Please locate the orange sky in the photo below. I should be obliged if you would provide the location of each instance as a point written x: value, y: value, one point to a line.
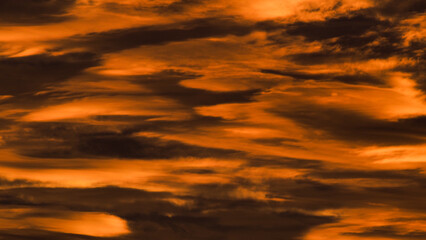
x: 194, y: 119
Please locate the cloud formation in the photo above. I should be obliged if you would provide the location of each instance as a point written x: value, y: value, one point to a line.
x: 192, y: 119
x: 33, y: 12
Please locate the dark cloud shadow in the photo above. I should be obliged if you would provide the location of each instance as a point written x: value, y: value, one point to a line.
x: 356, y: 127
x: 391, y: 232
x: 121, y: 39
x: 34, y: 12
x: 335, y: 27
x: 150, y: 216
x: 31, y: 74
x: 167, y: 84
x: 68, y: 140
x: 400, y: 9
x: 354, y: 78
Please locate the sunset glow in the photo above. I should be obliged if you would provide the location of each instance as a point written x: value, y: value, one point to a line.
x: 210, y: 120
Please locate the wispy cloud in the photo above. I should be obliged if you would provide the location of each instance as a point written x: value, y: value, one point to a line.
x: 193, y: 119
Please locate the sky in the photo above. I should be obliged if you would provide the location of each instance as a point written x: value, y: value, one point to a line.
x: 218, y: 119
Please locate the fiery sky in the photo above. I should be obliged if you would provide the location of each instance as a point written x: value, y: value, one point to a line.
x: 212, y: 119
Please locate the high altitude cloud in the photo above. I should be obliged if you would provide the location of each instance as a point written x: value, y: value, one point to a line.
x: 194, y: 119
x: 356, y: 127
x: 237, y: 219
x: 29, y: 12
x: 389, y: 232
x: 167, y: 84
x: 61, y: 140
x: 357, y: 78
x: 335, y: 27
x: 31, y: 74
x: 116, y: 40
x: 398, y: 8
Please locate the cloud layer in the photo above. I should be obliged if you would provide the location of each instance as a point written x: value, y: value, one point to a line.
x: 192, y: 119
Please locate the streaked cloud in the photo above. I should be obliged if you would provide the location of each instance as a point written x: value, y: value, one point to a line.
x: 193, y: 119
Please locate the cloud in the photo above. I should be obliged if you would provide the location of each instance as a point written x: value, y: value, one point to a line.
x: 32, y: 234
x: 5, y: 123
x: 357, y: 36
x: 391, y: 232
x: 121, y: 39
x: 306, y: 193
x: 67, y: 140
x: 205, y: 219
x: 284, y: 162
x: 335, y: 27
x: 143, y: 148
x: 33, y: 12
x: 414, y: 175
x: 356, y: 127
x: 8, y: 183
x: 167, y: 84
x: 322, y: 56
x: 212, y: 119
x: 180, y: 6
x: 31, y: 74
x: 399, y: 8
x: 356, y: 78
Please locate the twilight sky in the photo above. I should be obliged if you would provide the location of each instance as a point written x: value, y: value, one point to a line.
x: 212, y: 119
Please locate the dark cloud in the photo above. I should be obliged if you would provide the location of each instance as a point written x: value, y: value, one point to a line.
x: 334, y: 27
x: 179, y: 6
x: 40, y: 164
x: 310, y: 194
x: 208, y: 211
x: 215, y: 214
x: 296, y: 75
x: 175, y: 7
x: 354, y: 78
x: 387, y: 38
x: 77, y: 199
x: 68, y: 140
x: 5, y: 123
x: 358, y: 36
x: 117, y: 40
x: 362, y: 35
x: 359, y: 78
x: 323, y: 56
x: 392, y: 232
x: 400, y: 8
x: 414, y: 175
x: 417, y: 70
x: 407, y: 196
x: 283, y: 162
x: 122, y: 118
x: 4, y: 182
x: 32, y: 234
x: 356, y: 127
x: 150, y: 216
x: 166, y: 84
x: 380, y: 44
x: 336, y: 55
x: 228, y: 223
x: 31, y: 74
x: 111, y: 145
x: 195, y: 123
x: 277, y: 142
x: 314, y: 195
x: 128, y: 9
x: 33, y: 12
x: 201, y: 171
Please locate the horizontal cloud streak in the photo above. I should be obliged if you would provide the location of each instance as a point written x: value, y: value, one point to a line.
x: 191, y: 119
